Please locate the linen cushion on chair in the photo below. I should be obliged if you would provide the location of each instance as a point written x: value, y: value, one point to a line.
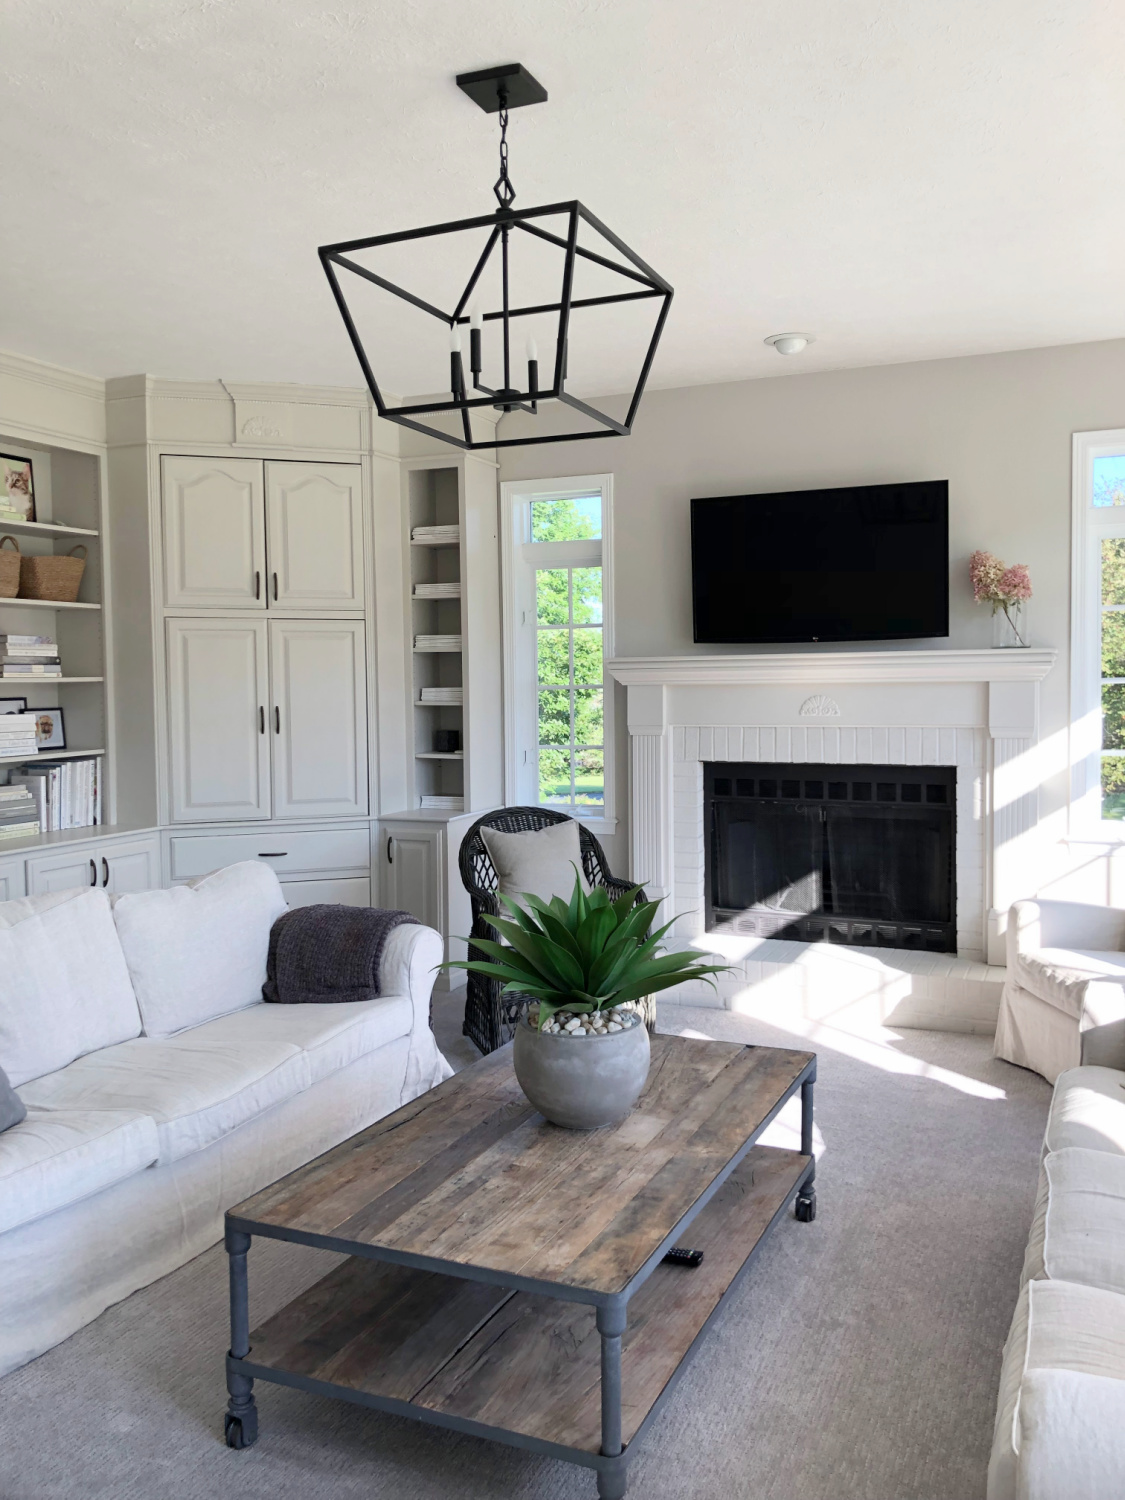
x: 541, y: 862
x: 1061, y: 976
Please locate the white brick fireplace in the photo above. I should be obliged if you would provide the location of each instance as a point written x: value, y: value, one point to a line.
x: 975, y: 710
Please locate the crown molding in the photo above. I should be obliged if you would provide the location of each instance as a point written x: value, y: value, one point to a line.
x: 1029, y: 664
x: 21, y: 367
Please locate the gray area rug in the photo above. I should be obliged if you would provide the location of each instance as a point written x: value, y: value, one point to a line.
x: 859, y: 1359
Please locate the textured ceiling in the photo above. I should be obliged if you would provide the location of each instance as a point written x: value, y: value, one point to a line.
x: 904, y: 178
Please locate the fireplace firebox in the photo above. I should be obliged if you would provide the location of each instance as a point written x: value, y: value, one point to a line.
x: 860, y: 855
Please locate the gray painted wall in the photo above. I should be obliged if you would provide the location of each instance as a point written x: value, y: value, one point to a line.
x: 998, y: 427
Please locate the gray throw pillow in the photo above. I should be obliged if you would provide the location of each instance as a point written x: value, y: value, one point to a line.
x: 541, y: 861
x: 12, y: 1107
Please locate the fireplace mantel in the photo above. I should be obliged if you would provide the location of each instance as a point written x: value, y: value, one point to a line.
x: 1019, y: 665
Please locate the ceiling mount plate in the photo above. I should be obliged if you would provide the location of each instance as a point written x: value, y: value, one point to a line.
x: 513, y: 79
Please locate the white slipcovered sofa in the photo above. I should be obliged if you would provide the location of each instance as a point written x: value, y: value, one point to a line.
x: 160, y: 1089
x: 1063, y: 1002
x: 1060, y: 1422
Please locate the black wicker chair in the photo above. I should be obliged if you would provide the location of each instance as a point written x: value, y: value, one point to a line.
x: 490, y: 1018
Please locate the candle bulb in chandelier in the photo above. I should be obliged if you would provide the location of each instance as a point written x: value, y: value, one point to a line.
x: 456, y: 368
x: 476, y: 324
x: 532, y: 368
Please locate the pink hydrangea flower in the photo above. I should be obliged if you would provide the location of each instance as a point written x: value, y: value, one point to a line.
x: 1015, y: 584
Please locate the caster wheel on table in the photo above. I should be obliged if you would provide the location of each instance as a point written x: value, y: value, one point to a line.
x: 805, y: 1209
x: 241, y: 1432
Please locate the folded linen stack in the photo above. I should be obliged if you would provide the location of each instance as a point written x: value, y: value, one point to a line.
x: 29, y: 656
x: 450, y: 697
x: 18, y: 817
x: 436, y: 534
x: 17, y: 736
x: 437, y: 590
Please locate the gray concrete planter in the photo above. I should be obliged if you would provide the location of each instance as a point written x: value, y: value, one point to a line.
x: 581, y: 1082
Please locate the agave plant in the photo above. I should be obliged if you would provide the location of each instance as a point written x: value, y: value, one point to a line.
x: 585, y: 954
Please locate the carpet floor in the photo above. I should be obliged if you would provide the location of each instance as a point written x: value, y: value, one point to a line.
x: 858, y: 1361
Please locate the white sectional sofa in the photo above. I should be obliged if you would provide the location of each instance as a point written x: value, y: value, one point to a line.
x: 1060, y: 1422
x: 160, y: 1089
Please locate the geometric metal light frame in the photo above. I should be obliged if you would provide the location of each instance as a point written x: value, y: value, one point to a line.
x: 506, y: 224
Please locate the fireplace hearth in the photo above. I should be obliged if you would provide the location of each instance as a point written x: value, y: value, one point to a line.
x: 851, y: 854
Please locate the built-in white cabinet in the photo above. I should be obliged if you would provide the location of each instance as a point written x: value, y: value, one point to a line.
x: 12, y: 884
x: 214, y: 523
x: 314, y: 523
x: 218, y: 695
x: 240, y: 533
x: 412, y: 857
x: 267, y: 719
x: 350, y: 892
x: 318, y: 676
x: 116, y: 866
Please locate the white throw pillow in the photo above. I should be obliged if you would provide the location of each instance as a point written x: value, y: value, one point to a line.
x: 198, y: 951
x: 541, y: 861
x: 64, y: 985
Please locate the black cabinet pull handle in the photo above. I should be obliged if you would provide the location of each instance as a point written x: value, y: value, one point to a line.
x: 105, y: 871
x: 276, y: 719
x: 93, y: 873
x: 261, y: 719
x: 273, y: 854
x: 390, y: 850
x: 275, y: 587
x: 257, y: 584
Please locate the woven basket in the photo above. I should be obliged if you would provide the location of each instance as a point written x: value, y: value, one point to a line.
x: 52, y: 577
x: 9, y: 568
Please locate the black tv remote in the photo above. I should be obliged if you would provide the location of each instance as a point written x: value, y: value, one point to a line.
x: 692, y: 1259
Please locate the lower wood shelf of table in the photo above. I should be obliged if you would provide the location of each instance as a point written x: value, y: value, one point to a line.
x: 477, y: 1356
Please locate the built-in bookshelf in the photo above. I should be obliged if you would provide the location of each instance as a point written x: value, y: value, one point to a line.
x: 436, y: 631
x: 68, y: 486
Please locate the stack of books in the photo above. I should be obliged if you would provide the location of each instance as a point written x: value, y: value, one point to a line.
x: 437, y: 591
x: 437, y: 643
x: 18, y: 817
x: 444, y: 804
x: 450, y: 697
x: 29, y: 656
x: 67, y: 793
x: 435, y: 534
x: 17, y: 736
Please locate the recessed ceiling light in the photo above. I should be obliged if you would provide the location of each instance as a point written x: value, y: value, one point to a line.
x: 790, y: 343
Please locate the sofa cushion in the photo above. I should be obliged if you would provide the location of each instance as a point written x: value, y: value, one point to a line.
x: 541, y: 861
x: 1057, y: 1326
x: 1060, y: 975
x: 12, y: 1107
x: 64, y: 985
x: 198, y: 951
x: 1088, y: 1110
x: 57, y: 1157
x: 201, y: 1084
x: 1072, y: 1436
x: 1078, y: 1232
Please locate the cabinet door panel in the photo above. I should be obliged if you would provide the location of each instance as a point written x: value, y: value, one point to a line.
x: 315, y: 535
x: 218, y: 692
x: 411, y: 871
x: 355, y: 892
x: 134, y: 866
x: 214, y: 533
x: 47, y: 873
x: 12, y: 882
x: 318, y: 674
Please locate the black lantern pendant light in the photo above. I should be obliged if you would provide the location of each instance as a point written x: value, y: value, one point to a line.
x: 508, y: 232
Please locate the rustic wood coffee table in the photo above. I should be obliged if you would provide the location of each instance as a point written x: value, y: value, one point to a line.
x: 506, y: 1276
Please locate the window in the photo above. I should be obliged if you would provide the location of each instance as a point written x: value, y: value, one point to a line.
x: 557, y: 628
x: 1098, y: 635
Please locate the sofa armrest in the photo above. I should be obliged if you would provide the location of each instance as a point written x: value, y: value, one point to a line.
x: 1063, y: 924
x: 1072, y: 1436
x: 410, y: 959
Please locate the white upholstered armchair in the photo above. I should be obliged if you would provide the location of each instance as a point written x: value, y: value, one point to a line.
x: 1064, y: 997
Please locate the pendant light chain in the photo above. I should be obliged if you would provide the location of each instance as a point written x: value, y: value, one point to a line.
x: 505, y: 192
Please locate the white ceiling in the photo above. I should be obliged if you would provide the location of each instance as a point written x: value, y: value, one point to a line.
x: 904, y: 178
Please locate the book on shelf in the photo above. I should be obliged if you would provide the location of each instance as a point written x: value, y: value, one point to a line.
x: 68, y: 793
x: 437, y: 591
x: 443, y: 804
x: 437, y: 643
x: 20, y: 831
x: 436, y: 533
x: 25, y: 669
x: 449, y: 697
x: 17, y: 736
x: 25, y: 642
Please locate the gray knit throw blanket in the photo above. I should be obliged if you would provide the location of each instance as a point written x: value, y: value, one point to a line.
x: 326, y: 954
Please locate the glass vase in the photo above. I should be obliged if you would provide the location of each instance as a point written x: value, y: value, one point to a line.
x: 1009, y: 624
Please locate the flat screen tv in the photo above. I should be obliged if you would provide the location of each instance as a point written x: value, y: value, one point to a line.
x: 868, y: 563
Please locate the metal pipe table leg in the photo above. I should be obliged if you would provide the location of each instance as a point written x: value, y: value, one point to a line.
x: 611, y: 1325
x: 241, y: 1424
x: 805, y: 1206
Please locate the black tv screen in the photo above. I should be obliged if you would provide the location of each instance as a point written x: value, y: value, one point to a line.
x: 869, y: 563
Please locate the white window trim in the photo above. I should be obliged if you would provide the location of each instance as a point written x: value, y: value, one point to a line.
x: 1090, y: 525
x: 521, y: 779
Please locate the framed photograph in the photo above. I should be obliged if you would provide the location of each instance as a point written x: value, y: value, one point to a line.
x: 17, y: 488
x: 50, y: 730
x: 13, y: 705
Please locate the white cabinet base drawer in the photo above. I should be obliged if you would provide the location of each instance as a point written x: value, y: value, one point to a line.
x: 329, y: 892
x: 284, y: 850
